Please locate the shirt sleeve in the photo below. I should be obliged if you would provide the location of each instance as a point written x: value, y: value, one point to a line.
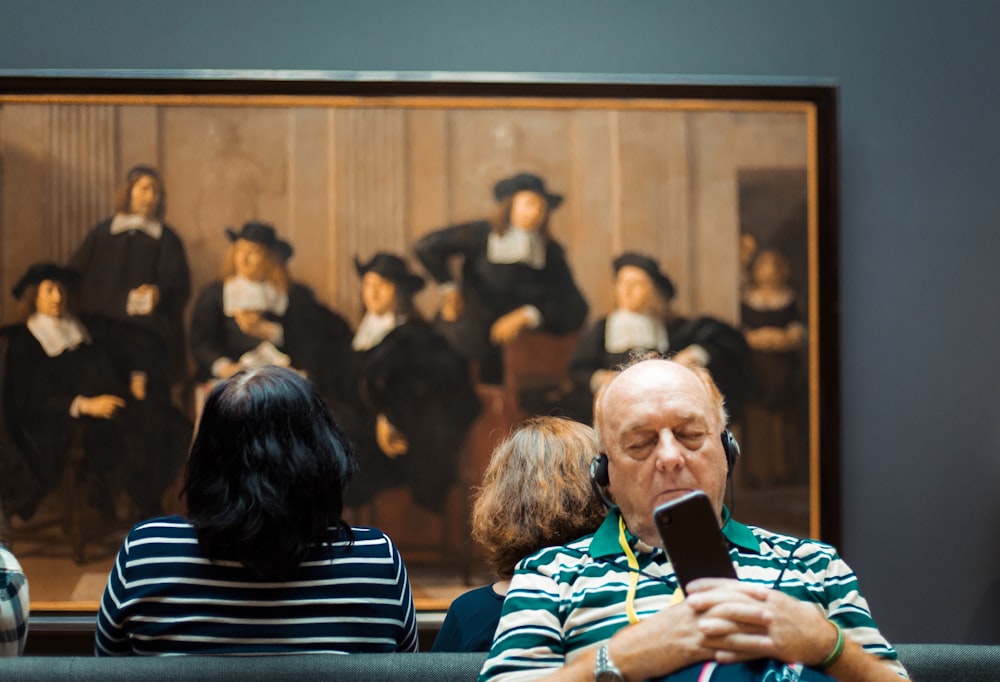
x: 110, y: 638
x: 408, y: 640
x: 847, y: 607
x: 529, y: 640
x: 14, y: 606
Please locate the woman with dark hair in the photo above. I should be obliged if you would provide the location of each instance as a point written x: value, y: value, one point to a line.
x: 264, y: 562
x: 415, y: 399
x: 515, y: 276
x: 134, y: 268
x: 536, y: 492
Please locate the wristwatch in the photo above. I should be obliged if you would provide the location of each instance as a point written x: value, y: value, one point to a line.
x: 604, y: 669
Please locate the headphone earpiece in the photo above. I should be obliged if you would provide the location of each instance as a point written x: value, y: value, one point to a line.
x: 599, y: 478
x: 732, y: 449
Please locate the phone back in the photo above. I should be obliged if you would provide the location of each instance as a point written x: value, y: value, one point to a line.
x: 693, y: 540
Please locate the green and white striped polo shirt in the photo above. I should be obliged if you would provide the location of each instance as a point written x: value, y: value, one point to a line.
x: 565, y: 599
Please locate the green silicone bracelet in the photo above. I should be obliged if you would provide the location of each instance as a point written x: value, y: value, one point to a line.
x: 838, y: 649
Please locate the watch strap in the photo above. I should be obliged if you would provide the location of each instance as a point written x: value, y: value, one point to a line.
x: 604, y: 668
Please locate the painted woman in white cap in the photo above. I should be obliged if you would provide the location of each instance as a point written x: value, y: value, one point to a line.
x: 514, y: 274
x: 257, y: 315
x: 134, y: 268
x: 415, y: 396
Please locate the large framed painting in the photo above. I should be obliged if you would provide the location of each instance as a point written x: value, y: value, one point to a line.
x: 728, y: 187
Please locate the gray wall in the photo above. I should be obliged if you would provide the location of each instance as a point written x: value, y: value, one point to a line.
x: 920, y: 91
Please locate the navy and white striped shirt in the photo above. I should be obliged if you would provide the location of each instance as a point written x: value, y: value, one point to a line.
x: 165, y: 597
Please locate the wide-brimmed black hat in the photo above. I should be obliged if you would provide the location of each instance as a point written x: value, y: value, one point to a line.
x: 651, y: 268
x: 262, y: 233
x: 393, y: 268
x: 39, y: 272
x: 525, y: 182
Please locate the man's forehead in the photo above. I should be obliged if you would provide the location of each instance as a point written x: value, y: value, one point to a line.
x: 666, y: 413
x: 660, y: 388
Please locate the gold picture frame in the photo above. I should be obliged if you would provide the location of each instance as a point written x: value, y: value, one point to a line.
x: 345, y: 164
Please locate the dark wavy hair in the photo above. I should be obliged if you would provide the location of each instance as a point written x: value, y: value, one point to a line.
x: 265, y: 479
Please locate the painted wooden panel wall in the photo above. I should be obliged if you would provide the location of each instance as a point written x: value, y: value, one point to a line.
x: 341, y: 178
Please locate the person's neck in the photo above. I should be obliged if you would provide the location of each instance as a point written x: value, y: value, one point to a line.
x: 501, y: 587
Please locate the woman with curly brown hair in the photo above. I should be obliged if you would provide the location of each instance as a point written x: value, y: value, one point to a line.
x: 536, y: 492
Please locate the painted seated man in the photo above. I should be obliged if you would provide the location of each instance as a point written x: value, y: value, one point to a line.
x: 257, y: 315
x: 643, y: 321
x: 86, y: 381
x: 415, y: 397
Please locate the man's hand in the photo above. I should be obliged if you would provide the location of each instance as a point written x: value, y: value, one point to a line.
x: 143, y: 299
x: 452, y: 306
x: 252, y: 323
x: 229, y: 370
x: 101, y: 406
x: 509, y: 326
x: 389, y: 439
x: 742, y: 621
x: 137, y: 385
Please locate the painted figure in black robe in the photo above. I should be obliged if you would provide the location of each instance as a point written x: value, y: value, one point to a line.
x: 772, y: 324
x: 135, y: 269
x: 514, y: 275
x: 257, y: 315
x: 415, y: 396
x: 642, y: 322
x: 86, y: 382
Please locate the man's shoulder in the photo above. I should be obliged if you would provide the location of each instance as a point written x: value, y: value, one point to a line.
x: 781, y: 549
x: 559, y: 557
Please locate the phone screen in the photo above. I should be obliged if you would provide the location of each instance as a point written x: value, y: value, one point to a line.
x: 692, y: 538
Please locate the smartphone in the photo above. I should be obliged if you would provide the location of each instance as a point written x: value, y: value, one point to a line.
x: 693, y: 540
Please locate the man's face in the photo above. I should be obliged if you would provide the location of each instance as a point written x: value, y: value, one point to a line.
x: 662, y: 436
x: 378, y: 294
x: 51, y: 298
x: 144, y: 196
x: 528, y: 210
x: 250, y: 259
x: 634, y: 289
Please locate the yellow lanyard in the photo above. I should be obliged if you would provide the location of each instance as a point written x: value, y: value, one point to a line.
x: 633, y: 574
x: 633, y: 577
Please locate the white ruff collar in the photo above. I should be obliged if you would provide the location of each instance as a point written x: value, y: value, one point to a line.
x: 57, y: 334
x: 626, y: 330
x: 127, y: 223
x: 516, y: 246
x: 240, y: 293
x: 373, y: 328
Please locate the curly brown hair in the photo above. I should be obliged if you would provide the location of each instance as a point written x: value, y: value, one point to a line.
x: 536, y: 491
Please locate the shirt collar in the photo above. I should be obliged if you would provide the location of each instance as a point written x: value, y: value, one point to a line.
x: 122, y: 223
x: 605, y: 540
